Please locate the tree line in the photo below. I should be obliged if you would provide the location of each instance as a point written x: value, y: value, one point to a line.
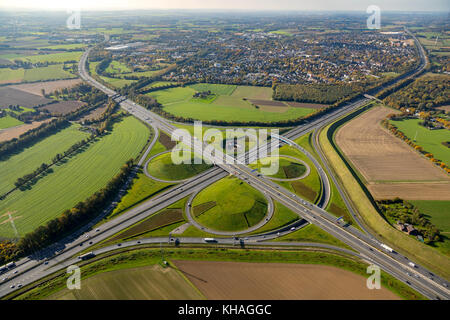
x: 30, y: 137
x: 418, y: 148
x: 69, y: 221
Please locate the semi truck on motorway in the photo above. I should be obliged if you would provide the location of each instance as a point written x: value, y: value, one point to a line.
x: 86, y: 256
x: 209, y: 240
x: 386, y: 247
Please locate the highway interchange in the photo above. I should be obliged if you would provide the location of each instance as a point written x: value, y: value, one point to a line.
x: 29, y: 270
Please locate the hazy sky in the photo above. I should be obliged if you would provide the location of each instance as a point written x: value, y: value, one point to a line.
x: 330, y: 5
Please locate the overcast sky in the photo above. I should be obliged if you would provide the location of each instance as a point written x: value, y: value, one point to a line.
x: 329, y: 5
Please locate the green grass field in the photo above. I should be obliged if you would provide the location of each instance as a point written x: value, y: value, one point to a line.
x: 312, y: 233
x: 219, y: 89
x: 54, y: 57
x: 430, y: 140
x: 282, y: 216
x: 31, y: 158
x: 144, y: 283
x: 8, y: 122
x: 118, y: 83
x: 52, y: 72
x: 288, y: 168
x: 8, y: 75
x: 439, y: 212
x: 162, y: 167
x: 229, y: 104
x: 70, y: 46
x: 231, y: 205
x: 117, y: 67
x: 75, y: 179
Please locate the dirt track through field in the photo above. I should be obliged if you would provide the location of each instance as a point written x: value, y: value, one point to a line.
x: 384, y: 159
x: 263, y: 281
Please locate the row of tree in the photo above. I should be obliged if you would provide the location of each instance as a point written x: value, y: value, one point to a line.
x: 57, y: 158
x: 314, y: 93
x: 418, y: 148
x: 31, y: 136
x: 73, y: 218
x: 425, y: 93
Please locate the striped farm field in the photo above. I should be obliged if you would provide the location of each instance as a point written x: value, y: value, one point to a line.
x: 73, y: 180
x: 54, y: 57
x: 52, y: 72
x: 31, y: 158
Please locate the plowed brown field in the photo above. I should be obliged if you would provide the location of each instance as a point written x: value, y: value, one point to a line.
x: 384, y: 160
x: 263, y: 281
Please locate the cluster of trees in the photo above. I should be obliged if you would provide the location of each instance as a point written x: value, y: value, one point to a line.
x: 418, y: 148
x: 73, y: 218
x: 406, y: 212
x: 32, y: 136
x: 8, y: 251
x: 314, y: 93
x: 162, y: 87
x: 425, y: 93
x: 82, y: 92
x: 110, y: 109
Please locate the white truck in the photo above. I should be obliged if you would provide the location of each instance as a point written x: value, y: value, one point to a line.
x: 412, y: 264
x: 209, y: 240
x: 385, y: 247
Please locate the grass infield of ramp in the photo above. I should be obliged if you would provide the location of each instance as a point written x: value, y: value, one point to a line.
x: 229, y: 205
x: 120, y: 260
x: 422, y: 253
x: 162, y: 167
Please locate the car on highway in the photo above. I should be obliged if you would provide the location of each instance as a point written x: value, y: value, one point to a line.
x: 293, y: 228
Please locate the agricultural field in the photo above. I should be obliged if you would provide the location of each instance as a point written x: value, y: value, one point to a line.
x: 32, y: 157
x: 426, y: 255
x: 258, y: 281
x: 73, y: 180
x: 52, y: 72
x: 8, y: 75
x: 15, y: 132
x: 230, y: 103
x: 70, y: 46
x: 284, y: 264
x: 430, y: 140
x: 63, y: 107
x: 144, y: 283
x: 229, y: 205
x: 48, y: 86
x: 53, y: 57
x: 8, y: 122
x: 438, y: 211
x: 388, y: 166
x: 10, y: 96
x: 162, y: 167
